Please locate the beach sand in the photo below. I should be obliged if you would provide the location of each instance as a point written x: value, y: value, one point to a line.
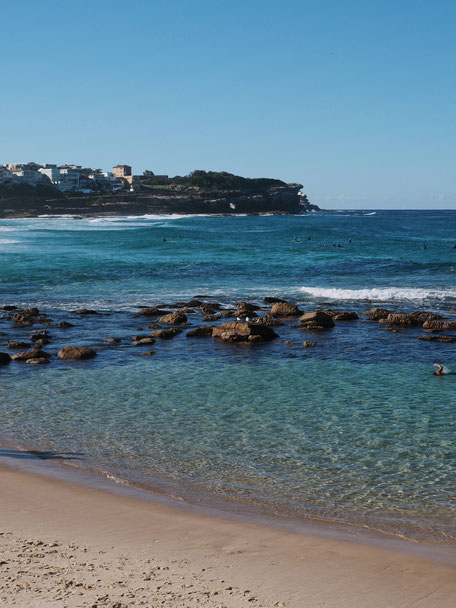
x: 67, y: 545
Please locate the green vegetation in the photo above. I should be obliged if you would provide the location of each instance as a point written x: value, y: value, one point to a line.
x: 210, y: 181
x: 21, y: 191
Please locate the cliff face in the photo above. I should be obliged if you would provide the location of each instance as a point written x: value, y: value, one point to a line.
x: 279, y: 200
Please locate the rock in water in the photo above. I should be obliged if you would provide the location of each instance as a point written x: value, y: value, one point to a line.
x: 285, y: 309
x: 316, y: 320
x: 84, y: 311
x: 37, y: 361
x: 237, y: 331
x: 36, y: 353
x: 4, y: 359
x: 165, y: 334
x: 76, y: 352
x: 173, y: 318
x: 200, y: 332
x: 375, y: 314
x: 439, y: 325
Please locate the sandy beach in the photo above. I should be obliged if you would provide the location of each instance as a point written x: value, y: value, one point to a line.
x: 63, y: 544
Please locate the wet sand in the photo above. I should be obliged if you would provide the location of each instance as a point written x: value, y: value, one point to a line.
x: 63, y: 544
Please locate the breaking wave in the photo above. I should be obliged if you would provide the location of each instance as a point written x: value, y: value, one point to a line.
x: 380, y: 293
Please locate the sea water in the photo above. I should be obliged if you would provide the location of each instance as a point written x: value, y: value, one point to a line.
x: 355, y: 430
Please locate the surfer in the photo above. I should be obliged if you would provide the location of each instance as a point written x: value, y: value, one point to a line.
x: 439, y: 371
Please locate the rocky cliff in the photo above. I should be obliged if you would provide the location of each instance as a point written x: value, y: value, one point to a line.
x: 279, y: 200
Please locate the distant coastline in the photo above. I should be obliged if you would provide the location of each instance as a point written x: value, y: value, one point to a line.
x: 32, y: 190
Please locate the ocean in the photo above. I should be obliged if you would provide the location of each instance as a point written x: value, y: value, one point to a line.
x: 355, y: 431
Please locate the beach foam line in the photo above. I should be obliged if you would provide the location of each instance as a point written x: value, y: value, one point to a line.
x: 379, y: 293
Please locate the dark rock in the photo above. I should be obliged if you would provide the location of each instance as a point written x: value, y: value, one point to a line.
x: 17, y: 344
x: 25, y: 318
x: 308, y: 344
x: 148, y: 353
x: 316, y: 320
x: 200, y: 332
x: 289, y: 342
x: 153, y: 326
x: 63, y: 325
x: 237, y: 331
x: 194, y: 303
x: 36, y: 353
x: 37, y: 361
x: 42, y: 342
x: 270, y: 300
x: 438, y: 338
x: 345, y: 315
x: 209, y: 309
x: 173, y: 318
x: 285, y: 309
x: 375, y: 314
x: 188, y: 311
x: 76, y: 352
x: 439, y: 325
x: 9, y: 307
x: 113, y: 340
x: 165, y: 334
x: 84, y: 311
x: 42, y: 337
x: 143, y: 341
x: 211, y: 318
x: 227, y: 312
x: 152, y: 312
x: 5, y: 359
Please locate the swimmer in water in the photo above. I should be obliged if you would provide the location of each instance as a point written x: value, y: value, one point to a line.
x: 439, y: 371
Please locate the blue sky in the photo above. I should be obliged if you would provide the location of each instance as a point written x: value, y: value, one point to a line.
x: 355, y: 100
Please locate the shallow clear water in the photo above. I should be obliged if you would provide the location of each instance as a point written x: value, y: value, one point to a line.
x: 355, y: 430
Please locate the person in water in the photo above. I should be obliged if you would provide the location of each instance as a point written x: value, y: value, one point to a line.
x: 439, y: 371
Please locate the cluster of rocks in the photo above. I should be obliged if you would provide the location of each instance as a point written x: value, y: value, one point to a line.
x: 253, y: 324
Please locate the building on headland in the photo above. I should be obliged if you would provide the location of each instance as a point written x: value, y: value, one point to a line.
x: 122, y: 170
x: 123, y: 173
x: 75, y: 178
x: 5, y: 174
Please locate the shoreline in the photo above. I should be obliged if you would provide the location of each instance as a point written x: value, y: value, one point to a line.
x: 177, y: 496
x: 116, y: 548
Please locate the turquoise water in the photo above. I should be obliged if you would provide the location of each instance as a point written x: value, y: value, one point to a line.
x: 354, y: 430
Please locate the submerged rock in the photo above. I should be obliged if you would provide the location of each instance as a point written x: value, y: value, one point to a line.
x: 165, y: 334
x: 237, y: 331
x: 227, y: 312
x: 210, y: 318
x: 316, y: 320
x: 84, y: 311
x: 209, y: 308
x: 437, y: 338
x: 16, y: 344
x: 113, y: 340
x: 271, y: 300
x: 63, y: 325
x: 309, y: 344
x: 76, y: 352
x: 142, y: 341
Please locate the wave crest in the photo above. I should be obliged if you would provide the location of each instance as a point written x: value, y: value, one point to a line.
x: 380, y: 293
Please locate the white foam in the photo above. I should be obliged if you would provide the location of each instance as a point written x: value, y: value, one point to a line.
x: 379, y: 293
x: 8, y: 241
